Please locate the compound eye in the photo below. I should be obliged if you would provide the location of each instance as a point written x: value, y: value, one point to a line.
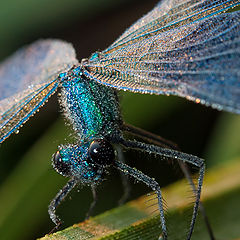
x: 61, y: 166
x: 101, y: 152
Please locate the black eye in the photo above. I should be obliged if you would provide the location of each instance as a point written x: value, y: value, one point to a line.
x: 101, y: 152
x: 59, y: 165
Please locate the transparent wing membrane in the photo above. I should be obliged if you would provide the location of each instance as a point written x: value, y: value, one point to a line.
x: 184, y: 49
x: 28, y: 79
x: 169, y: 14
x: 188, y: 48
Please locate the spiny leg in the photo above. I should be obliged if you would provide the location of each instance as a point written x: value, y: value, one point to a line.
x: 155, y: 139
x: 125, y: 181
x: 57, y: 201
x: 93, y: 203
x: 179, y: 156
x: 152, y: 184
x: 187, y: 174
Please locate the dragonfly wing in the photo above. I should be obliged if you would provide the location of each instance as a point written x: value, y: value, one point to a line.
x: 28, y: 79
x: 193, y: 55
x: 170, y: 14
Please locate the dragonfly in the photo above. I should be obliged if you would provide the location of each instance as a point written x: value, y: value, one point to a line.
x: 188, y: 48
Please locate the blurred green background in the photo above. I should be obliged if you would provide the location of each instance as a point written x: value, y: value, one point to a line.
x: 27, y: 180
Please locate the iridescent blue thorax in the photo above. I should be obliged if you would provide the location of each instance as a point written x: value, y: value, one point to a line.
x: 91, y: 108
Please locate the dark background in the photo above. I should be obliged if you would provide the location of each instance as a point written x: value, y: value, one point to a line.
x: 27, y: 180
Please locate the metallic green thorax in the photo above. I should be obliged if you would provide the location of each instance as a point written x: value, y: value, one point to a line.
x: 92, y: 108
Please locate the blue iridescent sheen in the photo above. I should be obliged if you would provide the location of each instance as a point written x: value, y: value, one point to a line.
x: 92, y: 109
x: 188, y: 48
x: 74, y: 157
x: 94, y: 56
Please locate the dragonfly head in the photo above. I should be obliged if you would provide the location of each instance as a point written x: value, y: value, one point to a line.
x: 85, y: 162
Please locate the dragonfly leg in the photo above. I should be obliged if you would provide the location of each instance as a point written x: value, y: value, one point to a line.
x: 187, y: 174
x: 94, y: 202
x: 57, y: 201
x: 179, y: 156
x: 152, y: 184
x: 162, y: 142
x: 150, y: 137
x: 125, y: 182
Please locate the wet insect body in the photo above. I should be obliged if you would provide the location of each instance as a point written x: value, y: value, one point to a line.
x: 185, y: 48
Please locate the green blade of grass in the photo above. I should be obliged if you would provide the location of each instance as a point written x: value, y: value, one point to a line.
x: 224, y: 144
x: 221, y: 194
x: 32, y: 181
